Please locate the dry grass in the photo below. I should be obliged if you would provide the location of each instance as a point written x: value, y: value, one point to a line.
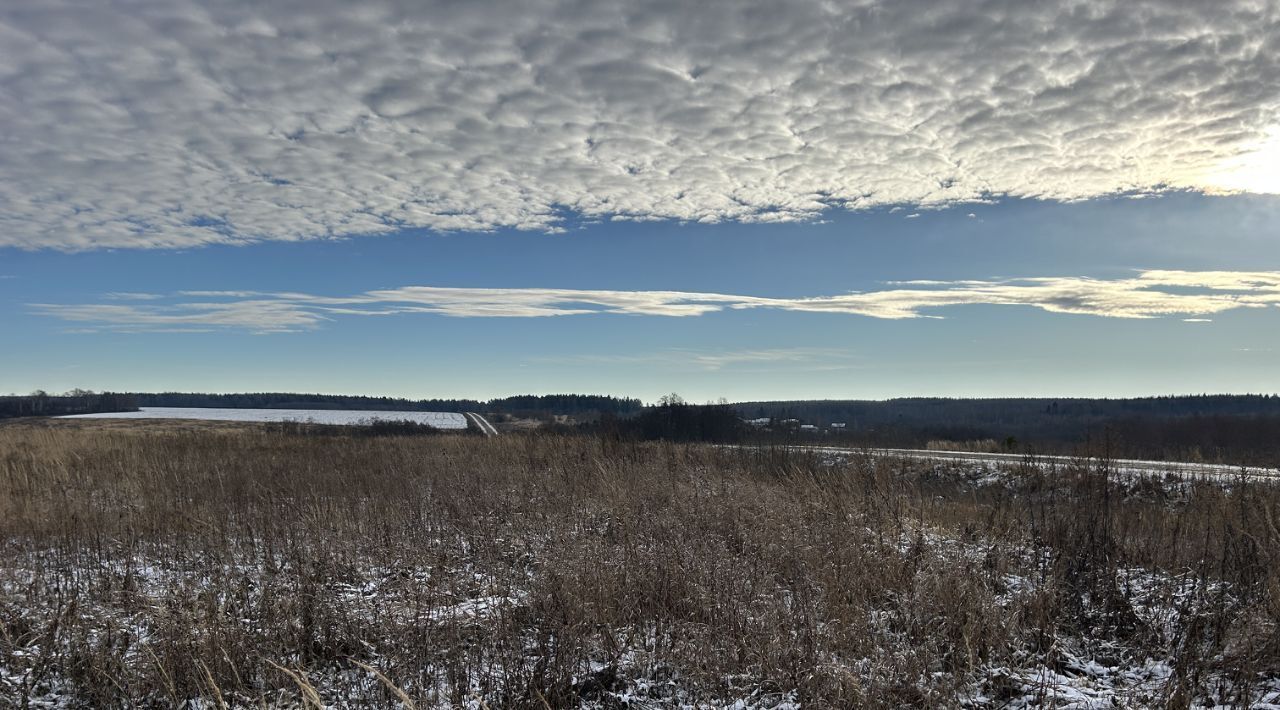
x: 150, y: 566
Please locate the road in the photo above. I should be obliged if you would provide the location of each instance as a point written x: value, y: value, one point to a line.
x: 482, y: 424
x: 1122, y: 466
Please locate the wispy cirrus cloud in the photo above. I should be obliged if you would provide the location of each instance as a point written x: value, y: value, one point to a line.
x: 131, y: 296
x: 1148, y: 294
x: 711, y: 360
x: 175, y: 123
x: 258, y: 316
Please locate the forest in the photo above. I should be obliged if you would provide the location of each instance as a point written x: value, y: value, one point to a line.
x: 1238, y: 429
x: 1212, y: 427
x: 1024, y: 418
x: 518, y: 405
x: 41, y: 404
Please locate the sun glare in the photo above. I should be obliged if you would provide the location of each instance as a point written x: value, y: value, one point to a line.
x: 1257, y: 170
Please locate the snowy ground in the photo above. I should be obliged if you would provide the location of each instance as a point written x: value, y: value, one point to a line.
x: 630, y: 582
x: 439, y: 420
x: 1082, y: 675
x: 373, y: 598
x: 1121, y: 467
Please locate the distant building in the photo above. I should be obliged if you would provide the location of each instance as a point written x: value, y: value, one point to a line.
x: 809, y: 428
x: 761, y: 422
x: 837, y: 425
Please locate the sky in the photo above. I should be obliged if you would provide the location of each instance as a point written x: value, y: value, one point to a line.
x: 744, y: 200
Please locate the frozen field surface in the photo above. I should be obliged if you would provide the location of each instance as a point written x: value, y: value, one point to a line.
x: 1122, y: 467
x: 439, y: 420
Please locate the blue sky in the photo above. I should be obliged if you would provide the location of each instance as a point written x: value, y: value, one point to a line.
x: 972, y: 350
x: 761, y: 199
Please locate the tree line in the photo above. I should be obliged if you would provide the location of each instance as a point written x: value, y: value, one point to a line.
x: 1219, y: 428
x: 1241, y: 429
x: 1023, y: 418
x: 673, y: 419
x: 42, y: 404
x: 518, y: 405
x: 1237, y: 429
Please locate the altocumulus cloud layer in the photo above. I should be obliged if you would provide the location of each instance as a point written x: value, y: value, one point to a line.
x: 1148, y: 294
x: 172, y: 123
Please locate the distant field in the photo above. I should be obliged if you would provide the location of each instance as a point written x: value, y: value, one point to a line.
x: 1050, y: 464
x: 439, y: 420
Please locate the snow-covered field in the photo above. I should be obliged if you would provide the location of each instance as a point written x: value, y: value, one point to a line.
x: 439, y: 420
x: 1121, y: 467
x: 189, y: 569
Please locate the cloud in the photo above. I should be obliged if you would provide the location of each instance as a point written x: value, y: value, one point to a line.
x: 130, y: 296
x: 175, y: 123
x: 711, y: 360
x: 1149, y: 294
x: 258, y: 316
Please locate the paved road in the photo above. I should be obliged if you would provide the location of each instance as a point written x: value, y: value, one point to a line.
x: 482, y: 424
x: 1123, y: 466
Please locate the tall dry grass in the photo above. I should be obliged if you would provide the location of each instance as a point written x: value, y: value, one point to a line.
x: 247, y: 567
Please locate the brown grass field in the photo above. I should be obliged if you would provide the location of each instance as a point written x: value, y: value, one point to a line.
x: 217, y: 565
